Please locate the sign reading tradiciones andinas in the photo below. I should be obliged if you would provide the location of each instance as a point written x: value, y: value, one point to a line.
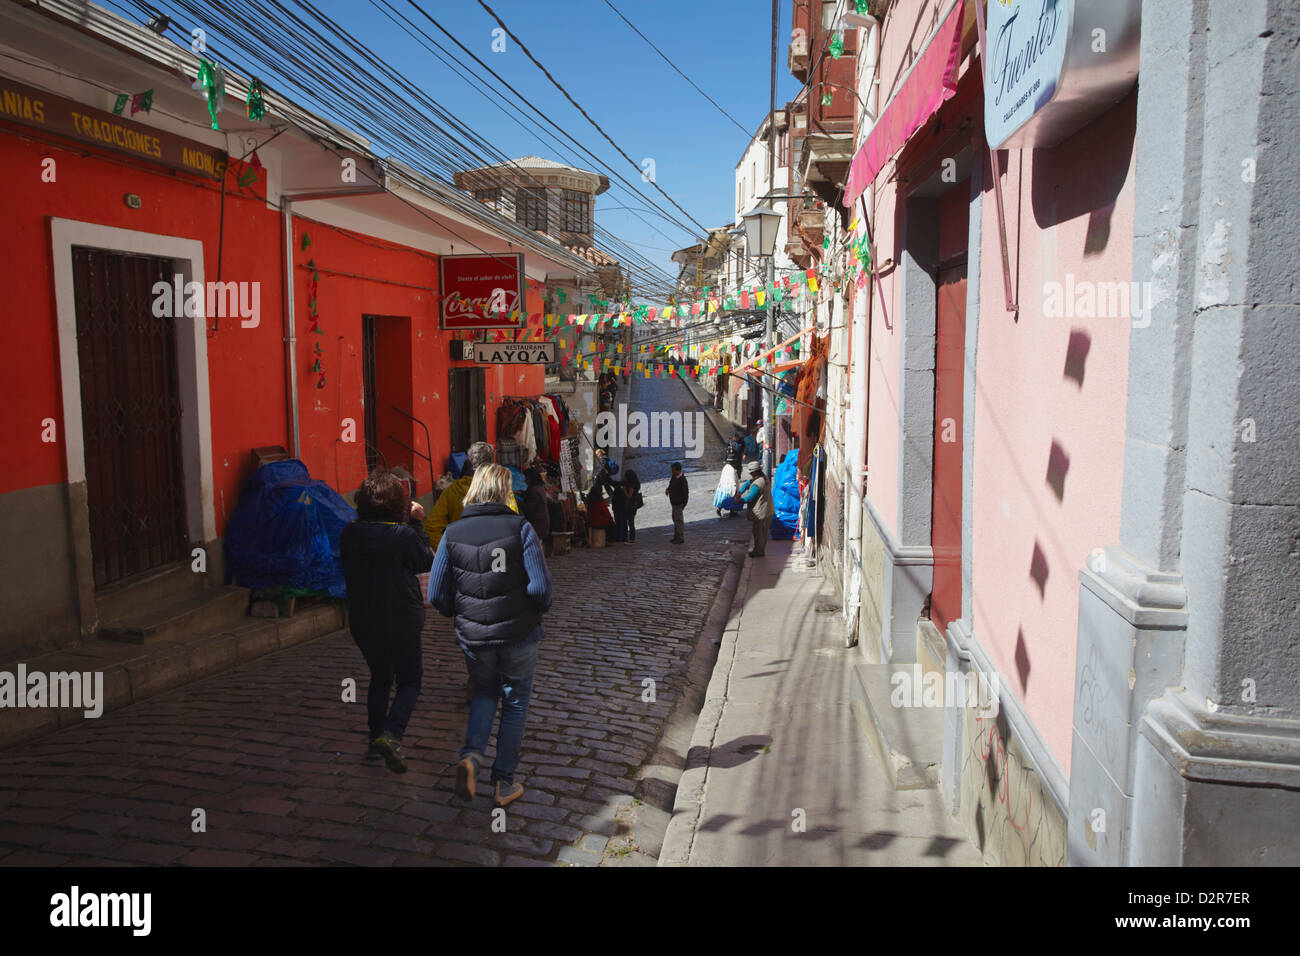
x: 481, y: 292
x: 1054, y: 65
x: 38, y: 109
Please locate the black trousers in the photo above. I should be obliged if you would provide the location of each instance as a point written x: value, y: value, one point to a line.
x: 399, y: 661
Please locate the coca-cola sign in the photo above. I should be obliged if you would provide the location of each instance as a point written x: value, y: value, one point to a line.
x: 481, y: 292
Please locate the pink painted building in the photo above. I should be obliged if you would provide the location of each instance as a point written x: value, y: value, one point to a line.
x: 990, y: 464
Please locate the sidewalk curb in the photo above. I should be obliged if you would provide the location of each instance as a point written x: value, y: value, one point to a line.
x: 674, y: 748
x: 709, y: 411
x: 689, y: 801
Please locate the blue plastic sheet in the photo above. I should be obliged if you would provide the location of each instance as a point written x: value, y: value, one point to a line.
x: 285, y: 532
x: 785, y: 496
x: 517, y: 480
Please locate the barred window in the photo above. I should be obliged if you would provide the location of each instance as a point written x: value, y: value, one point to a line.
x: 577, y: 211
x: 488, y: 195
x: 530, y: 208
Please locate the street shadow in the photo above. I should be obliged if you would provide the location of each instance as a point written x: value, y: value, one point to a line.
x: 734, y: 753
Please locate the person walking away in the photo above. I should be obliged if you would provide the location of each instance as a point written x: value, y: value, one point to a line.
x: 537, y: 507
x: 678, y: 492
x: 618, y: 504
x: 750, y: 446
x: 759, y: 507
x: 381, y: 553
x: 449, y: 504
x: 632, y: 488
x: 490, y: 576
x: 447, y: 509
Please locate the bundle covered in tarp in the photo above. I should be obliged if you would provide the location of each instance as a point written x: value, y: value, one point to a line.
x: 785, y: 497
x: 285, y: 532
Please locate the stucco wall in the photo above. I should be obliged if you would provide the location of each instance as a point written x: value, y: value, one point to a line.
x: 1049, y: 408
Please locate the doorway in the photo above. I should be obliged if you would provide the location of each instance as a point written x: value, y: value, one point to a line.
x: 468, y: 400
x: 131, y: 413
x: 386, y: 380
x: 949, y: 391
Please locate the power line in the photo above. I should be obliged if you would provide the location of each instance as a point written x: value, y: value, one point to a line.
x: 734, y: 121
x: 554, y: 82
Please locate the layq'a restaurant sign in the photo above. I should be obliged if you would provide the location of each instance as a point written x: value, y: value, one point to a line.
x: 1055, y: 65
x: 514, y: 353
x: 481, y: 292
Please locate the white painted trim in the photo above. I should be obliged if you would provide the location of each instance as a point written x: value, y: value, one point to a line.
x: 191, y: 354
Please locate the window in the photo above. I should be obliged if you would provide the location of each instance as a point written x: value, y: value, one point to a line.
x: 530, y: 208
x: 577, y: 211
x: 783, y: 149
x: 488, y: 195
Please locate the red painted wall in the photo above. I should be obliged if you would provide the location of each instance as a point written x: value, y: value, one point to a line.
x: 360, y: 275
x: 245, y: 366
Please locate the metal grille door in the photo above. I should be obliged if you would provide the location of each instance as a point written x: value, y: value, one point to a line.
x: 131, y: 413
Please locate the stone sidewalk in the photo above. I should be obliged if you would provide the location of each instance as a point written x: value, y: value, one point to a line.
x: 779, y: 773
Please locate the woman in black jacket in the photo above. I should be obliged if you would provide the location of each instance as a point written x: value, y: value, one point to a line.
x: 381, y: 553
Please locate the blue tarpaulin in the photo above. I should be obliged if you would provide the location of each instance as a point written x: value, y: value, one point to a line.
x: 285, y: 532
x: 785, y: 496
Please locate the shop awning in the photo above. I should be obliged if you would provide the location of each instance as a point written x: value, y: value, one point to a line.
x: 931, y: 81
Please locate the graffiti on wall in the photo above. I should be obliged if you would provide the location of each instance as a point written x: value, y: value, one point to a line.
x: 1010, y: 818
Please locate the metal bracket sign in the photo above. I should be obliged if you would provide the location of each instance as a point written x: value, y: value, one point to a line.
x: 514, y: 353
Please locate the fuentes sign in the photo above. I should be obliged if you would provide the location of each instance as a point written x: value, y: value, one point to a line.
x: 1055, y: 65
x: 514, y: 353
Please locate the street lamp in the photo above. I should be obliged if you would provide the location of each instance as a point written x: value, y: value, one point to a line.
x: 761, y: 226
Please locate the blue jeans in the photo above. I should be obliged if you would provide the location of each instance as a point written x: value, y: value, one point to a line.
x: 507, y: 672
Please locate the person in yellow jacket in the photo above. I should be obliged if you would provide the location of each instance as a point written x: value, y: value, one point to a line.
x: 452, y: 500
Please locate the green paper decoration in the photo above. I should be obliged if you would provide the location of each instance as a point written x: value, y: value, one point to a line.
x: 861, y: 7
x: 827, y: 99
x: 316, y: 367
x: 142, y: 101
x: 212, y: 83
x: 306, y: 241
x: 247, y: 177
x: 256, y: 105
x: 120, y: 104
x: 837, y: 44
x: 826, y: 242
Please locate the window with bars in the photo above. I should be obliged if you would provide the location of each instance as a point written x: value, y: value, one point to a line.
x: 492, y: 196
x: 577, y: 211
x: 530, y: 208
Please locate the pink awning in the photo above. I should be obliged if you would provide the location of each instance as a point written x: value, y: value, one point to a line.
x: 931, y: 82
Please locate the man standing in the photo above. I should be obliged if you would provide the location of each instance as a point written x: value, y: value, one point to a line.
x: 678, y: 493
x: 490, y: 575
x: 759, y: 508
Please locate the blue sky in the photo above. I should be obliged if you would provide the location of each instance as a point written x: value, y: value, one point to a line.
x: 649, y: 110
x: 723, y: 45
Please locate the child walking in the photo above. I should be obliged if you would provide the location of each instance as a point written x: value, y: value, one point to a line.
x: 382, y: 552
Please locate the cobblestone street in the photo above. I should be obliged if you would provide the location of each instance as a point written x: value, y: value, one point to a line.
x: 274, y: 758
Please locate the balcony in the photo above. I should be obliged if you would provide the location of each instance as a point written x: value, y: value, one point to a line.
x: 797, y: 59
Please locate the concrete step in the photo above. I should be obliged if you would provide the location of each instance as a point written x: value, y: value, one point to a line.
x: 139, y: 593
x: 210, y: 609
x: 907, y: 738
